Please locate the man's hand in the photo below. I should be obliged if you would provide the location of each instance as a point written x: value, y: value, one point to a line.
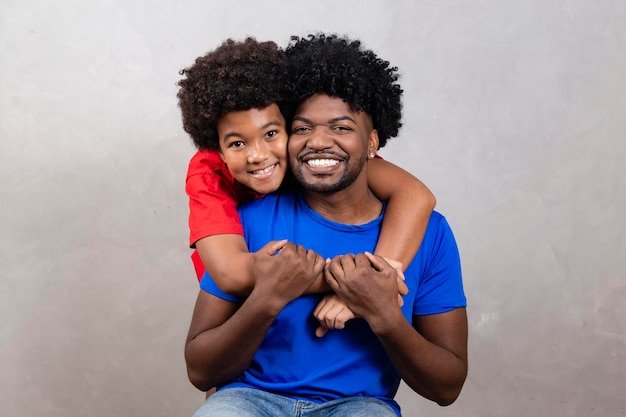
x: 402, y: 288
x: 284, y: 271
x: 365, y: 282
x: 333, y: 313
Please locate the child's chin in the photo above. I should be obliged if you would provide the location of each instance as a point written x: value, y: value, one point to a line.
x: 264, y: 188
x: 269, y: 190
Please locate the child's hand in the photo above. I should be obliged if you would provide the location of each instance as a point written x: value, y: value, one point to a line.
x: 402, y: 288
x: 332, y: 313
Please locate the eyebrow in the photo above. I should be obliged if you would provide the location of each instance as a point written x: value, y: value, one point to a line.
x: 265, y: 126
x: 333, y: 120
x: 271, y: 123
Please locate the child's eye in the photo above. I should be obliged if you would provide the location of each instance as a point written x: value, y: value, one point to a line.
x: 271, y: 133
x: 236, y: 144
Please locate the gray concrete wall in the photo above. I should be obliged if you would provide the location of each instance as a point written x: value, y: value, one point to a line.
x: 515, y: 116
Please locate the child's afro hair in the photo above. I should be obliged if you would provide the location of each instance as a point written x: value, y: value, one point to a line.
x: 235, y: 76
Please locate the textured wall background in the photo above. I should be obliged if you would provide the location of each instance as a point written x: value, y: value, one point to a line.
x: 515, y: 116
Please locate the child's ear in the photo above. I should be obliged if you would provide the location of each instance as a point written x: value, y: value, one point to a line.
x: 219, y: 151
x: 373, y: 142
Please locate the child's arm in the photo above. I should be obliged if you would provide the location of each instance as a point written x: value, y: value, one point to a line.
x: 228, y: 261
x: 216, y: 229
x: 409, y: 206
x: 231, y: 265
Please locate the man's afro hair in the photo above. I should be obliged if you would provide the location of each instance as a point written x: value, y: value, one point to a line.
x: 340, y: 67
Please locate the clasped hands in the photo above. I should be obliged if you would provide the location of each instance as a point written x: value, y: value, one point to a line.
x: 363, y: 285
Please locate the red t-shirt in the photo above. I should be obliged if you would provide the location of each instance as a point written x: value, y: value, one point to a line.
x: 213, y: 199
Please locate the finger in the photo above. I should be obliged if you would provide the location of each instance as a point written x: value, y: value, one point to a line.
x: 403, y: 289
x: 320, y: 263
x: 400, y: 273
x: 334, y: 271
x: 316, y: 263
x: 330, y: 318
x: 394, y: 264
x: 301, y: 250
x: 400, y: 300
x: 320, y: 307
x: 321, y: 331
x: 348, y: 261
x: 273, y: 246
x: 377, y: 262
x: 323, y: 310
x: 288, y: 247
x: 361, y: 260
x: 317, y: 260
x: 342, y: 265
x: 330, y: 279
x: 343, y: 317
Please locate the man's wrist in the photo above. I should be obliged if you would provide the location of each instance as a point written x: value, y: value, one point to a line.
x: 388, y: 322
x: 267, y: 304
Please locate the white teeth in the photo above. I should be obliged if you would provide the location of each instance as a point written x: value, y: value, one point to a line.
x: 322, y: 162
x: 264, y: 171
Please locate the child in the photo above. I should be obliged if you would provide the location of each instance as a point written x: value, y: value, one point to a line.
x: 233, y: 101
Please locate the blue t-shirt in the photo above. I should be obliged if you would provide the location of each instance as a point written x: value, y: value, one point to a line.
x: 292, y: 361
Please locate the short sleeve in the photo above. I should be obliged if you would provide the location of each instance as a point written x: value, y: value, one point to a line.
x: 441, y: 287
x: 208, y: 285
x: 213, y: 197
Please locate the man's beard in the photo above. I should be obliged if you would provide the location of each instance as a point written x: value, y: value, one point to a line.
x: 350, y: 174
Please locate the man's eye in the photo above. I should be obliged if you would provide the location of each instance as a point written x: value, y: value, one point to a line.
x: 300, y: 129
x: 342, y: 128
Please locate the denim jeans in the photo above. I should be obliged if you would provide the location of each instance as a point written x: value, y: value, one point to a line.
x: 246, y: 402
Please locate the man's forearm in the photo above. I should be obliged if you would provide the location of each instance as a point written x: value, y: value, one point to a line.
x: 433, y: 371
x: 224, y: 337
x: 220, y: 354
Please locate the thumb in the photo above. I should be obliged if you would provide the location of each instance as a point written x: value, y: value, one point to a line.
x: 321, y: 331
x: 273, y: 246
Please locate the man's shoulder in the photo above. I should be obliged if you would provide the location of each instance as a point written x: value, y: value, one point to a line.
x: 439, y: 219
x: 436, y: 222
x: 437, y: 233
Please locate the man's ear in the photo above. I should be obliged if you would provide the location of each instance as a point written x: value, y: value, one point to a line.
x: 372, y: 147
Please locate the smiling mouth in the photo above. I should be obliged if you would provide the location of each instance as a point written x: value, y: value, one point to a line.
x: 263, y: 171
x: 322, y: 163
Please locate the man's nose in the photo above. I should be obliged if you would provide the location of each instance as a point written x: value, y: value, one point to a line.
x: 320, y: 138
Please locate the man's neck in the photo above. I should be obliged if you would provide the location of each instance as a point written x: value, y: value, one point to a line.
x: 345, y: 206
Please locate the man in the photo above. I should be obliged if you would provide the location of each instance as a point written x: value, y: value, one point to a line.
x: 261, y: 351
